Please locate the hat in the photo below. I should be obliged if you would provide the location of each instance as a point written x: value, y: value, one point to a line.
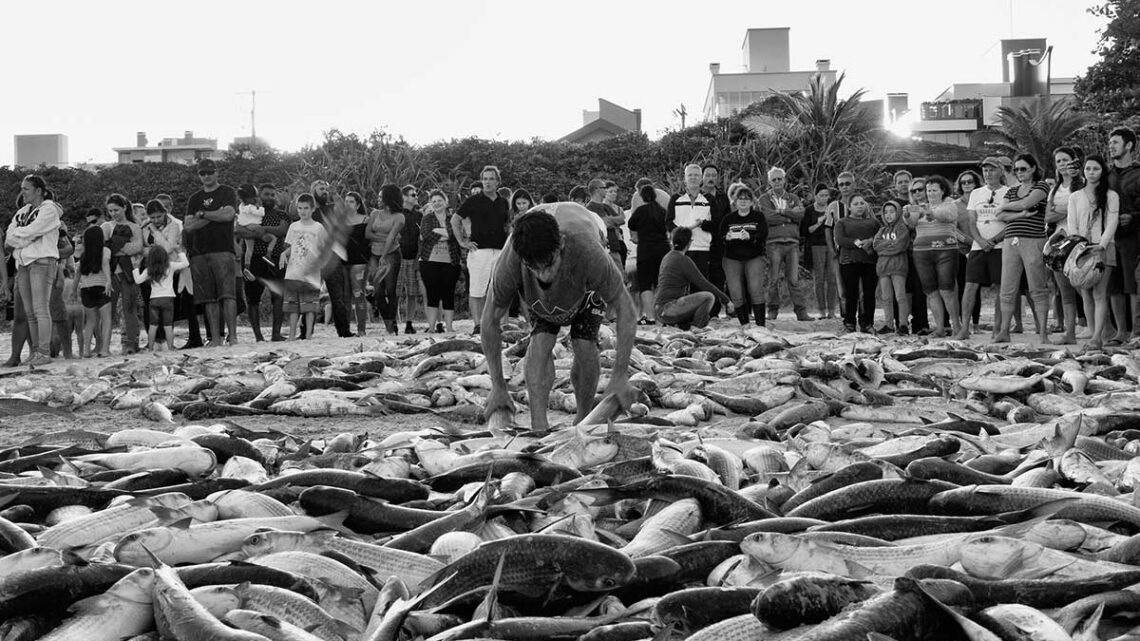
x: 993, y: 160
x: 205, y: 164
x: 1005, y: 162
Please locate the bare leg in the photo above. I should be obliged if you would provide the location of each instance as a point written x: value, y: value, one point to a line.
x: 969, y: 300
x: 584, y: 374
x: 950, y: 298
x: 477, y: 309
x: 539, y: 379
x: 214, y: 323
x: 294, y: 320
x: 229, y: 312
x: 647, y: 309
x: 104, y: 342
x: 310, y: 323
x: 934, y: 302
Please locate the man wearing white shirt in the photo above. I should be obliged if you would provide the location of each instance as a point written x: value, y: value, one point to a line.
x: 983, y: 265
x: 690, y: 209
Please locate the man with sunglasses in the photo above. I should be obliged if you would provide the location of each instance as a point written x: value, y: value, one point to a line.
x: 209, y: 226
x: 919, y: 323
x: 983, y: 264
x: 409, y: 286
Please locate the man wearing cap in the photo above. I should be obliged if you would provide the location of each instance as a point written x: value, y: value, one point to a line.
x: 983, y: 265
x: 209, y: 225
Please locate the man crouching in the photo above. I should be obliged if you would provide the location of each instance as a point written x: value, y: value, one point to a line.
x: 557, y: 253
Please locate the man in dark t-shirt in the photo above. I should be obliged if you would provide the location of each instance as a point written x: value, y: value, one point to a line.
x: 264, y: 266
x: 489, y: 215
x: 612, y: 218
x: 209, y: 225
x: 557, y: 253
x: 408, y: 285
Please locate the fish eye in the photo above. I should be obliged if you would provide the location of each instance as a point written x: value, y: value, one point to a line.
x: 609, y: 582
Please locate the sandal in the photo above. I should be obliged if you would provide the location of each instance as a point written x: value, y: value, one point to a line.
x: 1113, y: 342
x: 643, y: 321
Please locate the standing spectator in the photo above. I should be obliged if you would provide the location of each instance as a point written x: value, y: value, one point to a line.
x: 720, y: 206
x: 822, y: 259
x: 268, y: 237
x: 691, y: 210
x: 209, y: 221
x: 439, y: 263
x: 164, y: 230
x: 783, y: 211
x: 612, y: 219
x: 33, y: 235
x: 1024, y: 213
x: 837, y: 210
x: 408, y: 287
x: 647, y: 231
x: 159, y: 271
x: 919, y: 323
x: 745, y: 234
x: 900, y: 187
x: 1068, y: 182
x: 184, y: 306
x: 126, y: 252
x: 59, y: 316
x: 302, y: 259
x: 95, y: 292
x: 968, y: 181
x: 892, y: 244
x: 854, y: 234
x: 1094, y: 213
x: 521, y: 201
x: 358, y: 252
x: 331, y: 213
x: 1124, y: 179
x: 676, y: 301
x: 612, y: 196
x: 983, y: 264
x: 489, y: 217
x: 935, y: 250
x: 383, y: 232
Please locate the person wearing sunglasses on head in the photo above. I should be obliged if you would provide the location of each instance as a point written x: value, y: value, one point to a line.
x: 1023, y: 211
x: 967, y: 182
x: 919, y: 323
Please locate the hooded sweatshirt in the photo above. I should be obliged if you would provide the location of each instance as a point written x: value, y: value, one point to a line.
x: 891, y: 244
x: 34, y: 233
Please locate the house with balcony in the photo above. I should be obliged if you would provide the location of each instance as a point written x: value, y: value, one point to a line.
x: 186, y: 150
x: 767, y: 69
x: 965, y: 108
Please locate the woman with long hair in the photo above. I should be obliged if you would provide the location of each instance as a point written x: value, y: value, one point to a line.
x: 1023, y: 211
x: 439, y: 263
x: 383, y: 232
x: 967, y: 182
x: 854, y: 235
x: 358, y: 252
x: 1068, y: 181
x: 647, y: 230
x: 1094, y: 213
x: 94, y: 285
x: 822, y: 259
x: 745, y: 235
x: 126, y: 252
x: 935, y: 249
x: 159, y: 272
x: 33, y: 235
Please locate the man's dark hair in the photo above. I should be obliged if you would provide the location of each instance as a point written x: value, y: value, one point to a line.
x: 264, y: 186
x: 550, y: 197
x: 407, y: 188
x: 641, y: 182
x: 709, y: 165
x: 1126, y: 134
x: 648, y: 193
x: 819, y: 187
x: 308, y: 199
x: 610, y: 183
x: 681, y: 238
x: 579, y: 194
x: 536, y: 237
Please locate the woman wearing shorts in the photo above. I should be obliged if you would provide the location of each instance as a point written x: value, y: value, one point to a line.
x: 647, y: 230
x: 935, y: 252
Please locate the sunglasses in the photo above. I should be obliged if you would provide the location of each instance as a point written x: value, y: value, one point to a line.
x: 206, y: 173
x: 918, y: 190
x: 1020, y: 169
x: 846, y: 184
x: 966, y: 182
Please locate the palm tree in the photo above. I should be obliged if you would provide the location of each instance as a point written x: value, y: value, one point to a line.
x: 823, y: 133
x: 1036, y: 127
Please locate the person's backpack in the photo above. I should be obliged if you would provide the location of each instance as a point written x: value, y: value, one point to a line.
x: 1085, y: 266
x: 1058, y: 249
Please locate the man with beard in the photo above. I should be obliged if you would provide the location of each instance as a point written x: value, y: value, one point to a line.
x: 559, y: 256
x: 263, y: 265
x: 209, y: 223
x: 1124, y: 179
x: 335, y: 272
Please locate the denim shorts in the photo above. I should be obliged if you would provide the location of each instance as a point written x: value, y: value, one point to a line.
x: 937, y: 269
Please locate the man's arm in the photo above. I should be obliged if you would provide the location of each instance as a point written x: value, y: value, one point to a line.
x: 223, y: 215
x: 796, y: 209
x: 491, y: 335
x: 457, y: 230
x: 626, y: 334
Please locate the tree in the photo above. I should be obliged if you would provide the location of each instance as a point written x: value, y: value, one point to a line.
x: 1112, y: 85
x: 1037, y: 127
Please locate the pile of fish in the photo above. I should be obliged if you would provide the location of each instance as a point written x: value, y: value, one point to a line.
x: 810, y: 487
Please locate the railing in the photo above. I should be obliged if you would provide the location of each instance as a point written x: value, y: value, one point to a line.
x: 952, y: 110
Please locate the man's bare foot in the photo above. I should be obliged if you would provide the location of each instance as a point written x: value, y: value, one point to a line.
x: 1001, y: 338
x: 1044, y: 339
x: 1068, y: 339
x: 962, y: 334
x: 214, y: 343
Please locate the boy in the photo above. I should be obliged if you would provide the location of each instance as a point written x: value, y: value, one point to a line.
x: 302, y: 260
x: 250, y: 213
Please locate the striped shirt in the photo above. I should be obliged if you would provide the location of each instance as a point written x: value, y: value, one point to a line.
x: 938, y: 232
x: 1031, y: 226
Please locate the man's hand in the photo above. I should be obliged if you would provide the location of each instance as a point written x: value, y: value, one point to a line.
x: 267, y: 238
x: 469, y: 245
x: 984, y: 244
x: 625, y: 393
x: 730, y: 308
x: 498, y: 401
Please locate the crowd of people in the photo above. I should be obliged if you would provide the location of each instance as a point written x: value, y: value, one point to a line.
x: 922, y: 253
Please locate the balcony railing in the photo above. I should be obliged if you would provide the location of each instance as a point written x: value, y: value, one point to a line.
x: 952, y: 110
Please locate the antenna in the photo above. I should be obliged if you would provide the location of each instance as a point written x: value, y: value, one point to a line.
x: 681, y: 113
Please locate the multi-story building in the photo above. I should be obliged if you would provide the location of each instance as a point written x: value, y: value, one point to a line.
x: 33, y: 150
x: 186, y: 150
x: 608, y: 121
x: 767, y: 69
x: 964, y: 108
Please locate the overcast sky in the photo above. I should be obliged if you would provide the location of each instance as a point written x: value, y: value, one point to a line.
x: 430, y: 70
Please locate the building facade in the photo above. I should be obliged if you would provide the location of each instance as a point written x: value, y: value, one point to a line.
x: 186, y: 150
x: 767, y: 69
x: 34, y: 150
x: 608, y: 121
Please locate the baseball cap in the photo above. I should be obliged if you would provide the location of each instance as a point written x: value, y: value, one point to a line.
x: 994, y: 161
x: 1005, y: 162
x: 206, y: 164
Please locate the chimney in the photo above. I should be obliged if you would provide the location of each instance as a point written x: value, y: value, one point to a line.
x: 189, y: 136
x: 823, y: 64
x: 140, y: 139
x: 714, y: 68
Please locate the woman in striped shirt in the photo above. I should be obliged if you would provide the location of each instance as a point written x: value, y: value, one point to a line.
x: 1024, y: 213
x: 935, y: 252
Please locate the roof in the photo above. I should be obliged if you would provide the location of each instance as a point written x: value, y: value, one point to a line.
x: 600, y: 125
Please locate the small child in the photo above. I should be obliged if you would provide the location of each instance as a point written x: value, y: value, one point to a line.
x: 891, y: 243
x: 159, y: 270
x: 250, y: 212
x: 73, y: 322
x: 305, y: 245
x: 95, y: 292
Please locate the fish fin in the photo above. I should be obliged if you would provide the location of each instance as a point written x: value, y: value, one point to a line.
x: 857, y: 570
x: 973, y: 631
x: 181, y: 524
x: 5, y: 499
x: 1086, y: 629
x: 492, y: 600
x: 153, y: 559
x: 99, y: 602
x: 677, y: 537
x: 334, y: 522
